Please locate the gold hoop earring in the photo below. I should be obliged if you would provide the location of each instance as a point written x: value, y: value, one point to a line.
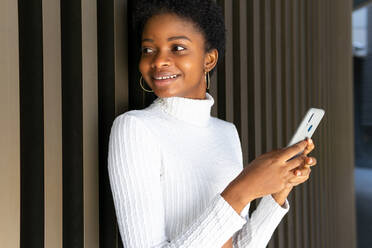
x: 207, y: 79
x: 141, y: 80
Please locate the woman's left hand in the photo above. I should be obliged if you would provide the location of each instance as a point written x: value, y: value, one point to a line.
x: 303, y: 172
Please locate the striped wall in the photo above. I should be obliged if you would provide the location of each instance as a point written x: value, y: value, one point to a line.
x: 282, y: 58
x: 67, y: 68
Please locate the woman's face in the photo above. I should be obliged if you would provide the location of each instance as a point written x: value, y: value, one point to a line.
x: 173, y: 60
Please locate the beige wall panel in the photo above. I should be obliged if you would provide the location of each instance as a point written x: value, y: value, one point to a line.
x: 90, y: 123
x: 257, y: 67
x: 276, y: 74
x: 242, y: 62
x: 52, y: 124
x: 9, y: 126
x: 266, y: 77
x: 327, y: 161
x: 301, y: 16
x: 295, y: 115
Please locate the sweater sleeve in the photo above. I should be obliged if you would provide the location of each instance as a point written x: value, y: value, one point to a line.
x: 134, y: 162
x: 258, y: 229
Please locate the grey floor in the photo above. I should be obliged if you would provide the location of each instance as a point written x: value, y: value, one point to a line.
x: 363, y: 190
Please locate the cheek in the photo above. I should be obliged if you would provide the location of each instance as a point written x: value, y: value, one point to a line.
x: 142, y: 66
x: 191, y: 66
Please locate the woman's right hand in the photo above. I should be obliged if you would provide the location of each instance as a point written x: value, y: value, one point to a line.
x: 267, y: 174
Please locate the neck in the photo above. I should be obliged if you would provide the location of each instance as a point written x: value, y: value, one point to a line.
x: 191, y: 110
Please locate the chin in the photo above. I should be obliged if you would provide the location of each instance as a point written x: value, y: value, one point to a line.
x: 164, y: 93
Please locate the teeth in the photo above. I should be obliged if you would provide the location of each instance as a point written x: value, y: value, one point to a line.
x: 159, y: 78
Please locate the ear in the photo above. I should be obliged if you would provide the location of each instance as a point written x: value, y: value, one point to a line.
x: 210, y: 60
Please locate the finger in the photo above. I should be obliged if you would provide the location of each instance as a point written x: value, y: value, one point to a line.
x: 305, y: 175
x: 293, y: 150
x: 298, y: 179
x: 296, y: 162
x: 304, y: 171
x: 309, y: 147
x: 310, y: 161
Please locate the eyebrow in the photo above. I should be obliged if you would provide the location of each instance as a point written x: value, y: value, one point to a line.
x: 171, y: 38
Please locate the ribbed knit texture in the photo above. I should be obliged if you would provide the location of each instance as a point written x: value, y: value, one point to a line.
x: 168, y: 164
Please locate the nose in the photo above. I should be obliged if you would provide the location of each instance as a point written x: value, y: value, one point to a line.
x: 161, y: 59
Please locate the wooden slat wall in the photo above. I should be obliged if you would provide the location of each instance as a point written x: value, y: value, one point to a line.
x: 90, y: 123
x: 282, y: 57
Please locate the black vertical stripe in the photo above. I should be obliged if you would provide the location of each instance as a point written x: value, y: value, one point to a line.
x: 31, y: 123
x: 251, y: 81
x: 106, y: 103
x: 237, y: 65
x: 221, y: 76
x: 263, y: 72
x: 274, y: 72
x: 72, y: 142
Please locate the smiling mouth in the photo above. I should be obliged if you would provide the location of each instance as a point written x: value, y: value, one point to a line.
x: 162, y: 81
x: 166, y: 77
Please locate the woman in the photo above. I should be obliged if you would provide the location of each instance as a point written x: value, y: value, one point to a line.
x: 176, y: 172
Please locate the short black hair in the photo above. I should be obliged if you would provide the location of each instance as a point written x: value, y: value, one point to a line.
x: 205, y: 14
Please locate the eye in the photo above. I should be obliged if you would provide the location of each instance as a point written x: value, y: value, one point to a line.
x: 178, y: 48
x: 146, y: 50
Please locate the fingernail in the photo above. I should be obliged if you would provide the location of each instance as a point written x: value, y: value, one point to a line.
x: 298, y: 173
x: 310, y: 141
x: 310, y: 160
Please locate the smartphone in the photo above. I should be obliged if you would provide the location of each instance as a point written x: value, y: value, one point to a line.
x: 307, y: 126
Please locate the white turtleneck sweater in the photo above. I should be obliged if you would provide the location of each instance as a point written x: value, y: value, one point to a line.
x: 168, y: 164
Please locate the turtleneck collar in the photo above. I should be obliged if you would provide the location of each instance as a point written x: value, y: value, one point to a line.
x: 194, y: 111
